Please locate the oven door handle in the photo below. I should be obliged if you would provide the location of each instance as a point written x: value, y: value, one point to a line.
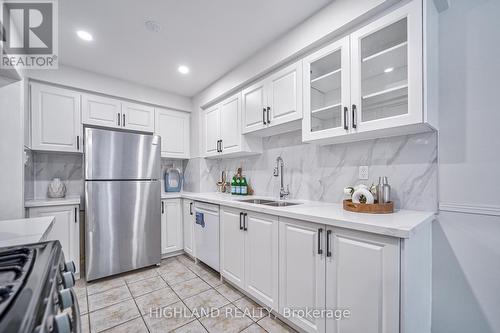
x: 76, y: 325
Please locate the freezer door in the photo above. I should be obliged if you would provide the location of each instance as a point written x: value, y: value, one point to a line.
x: 121, y: 155
x: 123, y: 226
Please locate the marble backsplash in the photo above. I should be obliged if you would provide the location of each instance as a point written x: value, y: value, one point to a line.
x: 320, y: 173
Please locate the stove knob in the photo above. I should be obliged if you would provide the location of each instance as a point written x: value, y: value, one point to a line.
x: 68, y: 279
x: 62, y: 323
x: 65, y: 299
x: 69, y: 266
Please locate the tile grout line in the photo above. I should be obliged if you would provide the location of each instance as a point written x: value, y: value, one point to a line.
x: 139, y: 310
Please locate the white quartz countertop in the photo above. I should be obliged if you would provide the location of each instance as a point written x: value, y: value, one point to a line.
x: 70, y: 200
x: 401, y: 224
x: 25, y: 231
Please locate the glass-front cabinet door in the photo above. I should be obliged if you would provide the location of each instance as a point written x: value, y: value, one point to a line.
x: 326, y: 92
x: 387, y: 71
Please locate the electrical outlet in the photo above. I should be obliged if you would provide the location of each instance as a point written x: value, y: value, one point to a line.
x: 363, y: 172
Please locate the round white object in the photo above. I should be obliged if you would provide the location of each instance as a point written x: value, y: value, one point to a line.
x: 363, y: 192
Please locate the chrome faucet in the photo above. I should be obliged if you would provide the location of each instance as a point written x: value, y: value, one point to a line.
x: 278, y: 171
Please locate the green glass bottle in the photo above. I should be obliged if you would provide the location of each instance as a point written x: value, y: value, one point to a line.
x: 244, y: 186
x: 238, y: 186
x: 233, y: 185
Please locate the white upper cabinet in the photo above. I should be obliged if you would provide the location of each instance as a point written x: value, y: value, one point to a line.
x: 222, y: 131
x: 370, y: 83
x: 138, y: 117
x: 387, y: 71
x: 327, y: 92
x: 274, y: 105
x: 101, y: 111
x: 55, y: 119
x: 114, y: 113
x: 173, y: 127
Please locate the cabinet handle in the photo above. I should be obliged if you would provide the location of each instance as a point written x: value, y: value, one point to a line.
x: 328, y: 251
x: 162, y: 208
x: 123, y: 120
x: 221, y: 149
x: 346, y: 110
x: 268, y: 119
x: 119, y: 116
x: 245, y: 228
x: 354, y: 117
x: 320, y: 250
x: 241, y: 224
x: 191, y: 208
x: 77, y: 142
x: 76, y: 212
x: 264, y: 116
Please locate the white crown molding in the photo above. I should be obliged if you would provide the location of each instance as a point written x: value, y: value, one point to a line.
x: 470, y: 208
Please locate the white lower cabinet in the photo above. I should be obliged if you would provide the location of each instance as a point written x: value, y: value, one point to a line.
x: 188, y: 219
x: 66, y: 229
x: 249, y: 253
x: 333, y: 268
x: 171, y: 226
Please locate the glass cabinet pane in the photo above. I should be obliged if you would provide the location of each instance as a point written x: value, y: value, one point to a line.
x: 384, y: 72
x: 326, y: 94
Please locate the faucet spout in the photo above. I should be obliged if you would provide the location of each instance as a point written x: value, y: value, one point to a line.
x: 278, y: 171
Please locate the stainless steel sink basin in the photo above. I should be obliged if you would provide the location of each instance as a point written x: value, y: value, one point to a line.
x: 257, y: 201
x: 281, y: 203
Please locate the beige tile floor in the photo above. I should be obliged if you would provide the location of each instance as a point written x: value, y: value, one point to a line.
x: 127, y: 303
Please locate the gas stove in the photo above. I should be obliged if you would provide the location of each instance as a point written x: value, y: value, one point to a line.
x: 36, y: 292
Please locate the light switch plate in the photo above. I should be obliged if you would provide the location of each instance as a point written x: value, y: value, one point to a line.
x: 363, y: 172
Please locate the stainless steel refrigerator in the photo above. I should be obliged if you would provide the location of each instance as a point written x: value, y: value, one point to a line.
x: 122, y: 202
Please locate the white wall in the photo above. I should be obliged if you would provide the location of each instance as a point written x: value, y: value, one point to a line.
x: 466, y: 247
x: 77, y: 78
x: 11, y: 152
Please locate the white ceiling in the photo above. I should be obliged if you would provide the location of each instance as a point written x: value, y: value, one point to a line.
x: 209, y: 36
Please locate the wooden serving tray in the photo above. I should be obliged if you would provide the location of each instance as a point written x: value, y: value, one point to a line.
x: 376, y: 208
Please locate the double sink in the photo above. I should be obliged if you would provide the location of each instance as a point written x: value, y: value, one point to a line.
x: 272, y: 203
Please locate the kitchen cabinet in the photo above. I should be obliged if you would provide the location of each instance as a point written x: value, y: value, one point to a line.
x: 138, y: 117
x: 66, y: 229
x: 101, y: 111
x: 173, y: 127
x: 188, y: 220
x: 55, y: 118
x: 302, y: 271
x: 369, y: 84
x: 171, y: 226
x: 362, y: 275
x: 274, y: 104
x: 249, y: 253
x: 222, y: 131
x: 113, y: 113
x: 357, y: 271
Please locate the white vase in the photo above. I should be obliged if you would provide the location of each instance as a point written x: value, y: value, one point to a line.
x: 56, y: 189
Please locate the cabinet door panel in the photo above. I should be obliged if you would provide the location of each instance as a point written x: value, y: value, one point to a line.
x: 188, y: 224
x: 232, y: 252
x: 212, y: 130
x: 171, y: 226
x: 66, y: 229
x: 230, y: 110
x: 285, y: 94
x: 387, y: 70
x: 363, y: 276
x: 173, y: 127
x: 56, y: 119
x: 301, y: 271
x: 261, y: 258
x: 327, y: 92
x: 254, y: 100
x: 138, y: 117
x: 101, y: 111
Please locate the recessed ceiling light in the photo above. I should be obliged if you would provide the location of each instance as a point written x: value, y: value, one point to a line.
x: 85, y: 35
x: 183, y: 69
x: 152, y: 26
x: 388, y: 70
